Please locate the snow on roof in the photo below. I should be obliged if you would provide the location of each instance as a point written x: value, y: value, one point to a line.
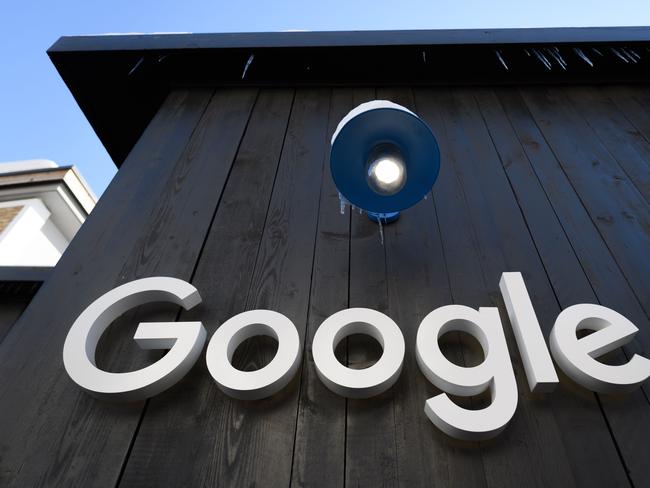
x: 26, y: 165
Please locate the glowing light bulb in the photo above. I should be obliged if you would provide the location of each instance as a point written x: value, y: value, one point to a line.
x: 386, y: 171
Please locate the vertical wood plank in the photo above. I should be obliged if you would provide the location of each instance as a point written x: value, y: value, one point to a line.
x: 78, y: 279
x: 599, y: 262
x: 633, y: 102
x: 552, y: 184
x: 135, y: 231
x: 615, y: 206
x: 418, y: 282
x: 540, y: 444
x: 252, y: 441
x: 257, y: 445
x: 319, y: 450
x: 371, y: 454
x: 179, y: 440
x: 188, y: 202
x: 469, y: 240
x: 573, y: 281
x: 616, y: 134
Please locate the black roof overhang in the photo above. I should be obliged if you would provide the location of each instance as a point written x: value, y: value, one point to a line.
x: 119, y: 81
x: 22, y: 280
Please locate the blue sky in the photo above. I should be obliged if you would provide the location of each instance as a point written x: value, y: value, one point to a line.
x: 40, y: 119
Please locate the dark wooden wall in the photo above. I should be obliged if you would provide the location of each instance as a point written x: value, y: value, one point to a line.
x: 14, y: 298
x: 230, y: 189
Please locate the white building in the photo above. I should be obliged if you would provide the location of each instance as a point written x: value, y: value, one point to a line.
x: 42, y: 206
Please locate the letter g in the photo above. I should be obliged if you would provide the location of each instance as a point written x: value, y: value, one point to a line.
x: 184, y: 340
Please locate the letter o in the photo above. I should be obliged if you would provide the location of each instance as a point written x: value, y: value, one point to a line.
x: 358, y: 383
x: 266, y: 381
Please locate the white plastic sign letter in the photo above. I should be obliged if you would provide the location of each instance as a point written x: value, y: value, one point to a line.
x: 495, y: 372
x: 538, y: 364
x: 577, y: 357
x: 358, y: 383
x: 184, y: 339
x: 266, y: 381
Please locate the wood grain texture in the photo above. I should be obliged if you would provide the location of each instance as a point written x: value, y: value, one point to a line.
x: 605, y: 274
x: 269, y: 250
x: 191, y: 419
x: 418, y: 282
x: 231, y: 190
x: 634, y: 102
x: 576, y: 277
x: 257, y: 444
x: 176, y: 444
x: 32, y: 440
x: 614, y: 204
x: 371, y: 440
x: 150, y: 223
x: 615, y: 133
x: 540, y: 444
x: 319, y: 449
x: 185, y: 209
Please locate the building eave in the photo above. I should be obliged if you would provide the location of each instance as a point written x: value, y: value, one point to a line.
x: 119, y: 81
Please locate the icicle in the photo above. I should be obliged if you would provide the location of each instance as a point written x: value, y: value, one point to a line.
x: 381, y: 231
x: 344, y: 202
x: 615, y: 51
x: 583, y: 56
x: 137, y: 65
x: 424, y: 57
x: 543, y: 59
x: 555, y: 53
x: 629, y: 55
x: 557, y: 59
x: 248, y: 63
x: 635, y: 54
x: 498, y: 53
x: 597, y: 51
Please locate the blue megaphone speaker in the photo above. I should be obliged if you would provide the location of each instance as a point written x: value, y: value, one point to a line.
x: 384, y: 159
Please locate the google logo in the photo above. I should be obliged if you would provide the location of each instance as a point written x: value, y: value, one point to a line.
x: 576, y: 356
